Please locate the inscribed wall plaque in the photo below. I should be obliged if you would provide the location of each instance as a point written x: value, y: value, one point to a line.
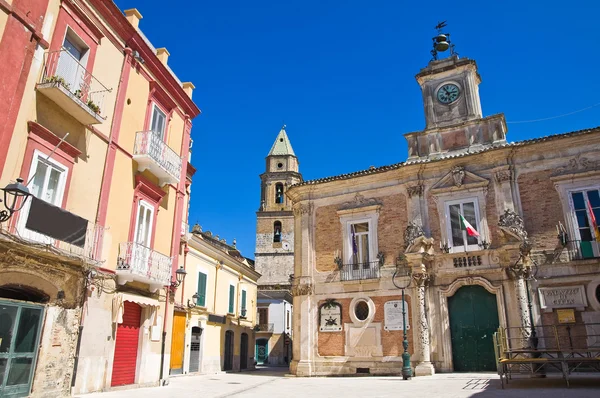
x: 562, y: 297
x: 393, y: 315
x: 330, y: 317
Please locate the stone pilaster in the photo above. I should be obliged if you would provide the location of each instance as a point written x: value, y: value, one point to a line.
x: 425, y: 367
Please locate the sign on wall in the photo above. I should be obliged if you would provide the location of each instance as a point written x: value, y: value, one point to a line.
x: 393, y: 318
x: 562, y: 297
x: 330, y: 317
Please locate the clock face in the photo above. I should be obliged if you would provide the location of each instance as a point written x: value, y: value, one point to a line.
x: 448, y: 93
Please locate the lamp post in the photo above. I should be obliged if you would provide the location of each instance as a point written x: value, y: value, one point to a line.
x: 403, y: 271
x: 15, y: 196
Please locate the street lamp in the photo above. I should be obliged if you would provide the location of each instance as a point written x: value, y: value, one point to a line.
x: 403, y: 271
x: 194, y: 301
x: 179, y: 277
x: 15, y: 196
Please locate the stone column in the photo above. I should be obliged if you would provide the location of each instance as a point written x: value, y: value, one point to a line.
x: 425, y: 367
x: 523, y: 270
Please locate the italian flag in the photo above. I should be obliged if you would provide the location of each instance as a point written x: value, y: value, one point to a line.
x: 464, y: 224
x: 594, y: 224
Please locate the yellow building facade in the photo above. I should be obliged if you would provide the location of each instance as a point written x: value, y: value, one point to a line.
x: 98, y: 127
x: 217, y: 314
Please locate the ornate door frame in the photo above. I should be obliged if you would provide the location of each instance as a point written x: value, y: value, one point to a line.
x: 444, y: 293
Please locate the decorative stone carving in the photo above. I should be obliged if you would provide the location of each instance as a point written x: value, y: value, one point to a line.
x: 412, y: 232
x: 359, y: 201
x: 458, y: 174
x: 302, y: 289
x: 416, y: 190
x: 425, y: 367
x: 512, y: 223
x: 503, y: 175
x: 577, y: 164
x: 300, y: 209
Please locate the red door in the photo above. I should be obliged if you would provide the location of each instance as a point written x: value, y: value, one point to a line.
x: 126, y: 346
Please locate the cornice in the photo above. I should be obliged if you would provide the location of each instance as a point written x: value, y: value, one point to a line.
x: 53, y: 139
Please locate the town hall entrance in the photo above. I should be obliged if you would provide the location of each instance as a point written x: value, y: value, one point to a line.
x: 473, y: 315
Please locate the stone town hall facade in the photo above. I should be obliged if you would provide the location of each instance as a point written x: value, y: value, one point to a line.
x: 352, y: 232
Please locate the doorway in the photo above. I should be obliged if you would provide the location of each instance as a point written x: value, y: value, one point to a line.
x: 262, y: 351
x: 195, y: 349
x: 177, y: 343
x: 473, y: 315
x: 228, y: 360
x: 20, y: 326
x: 244, y: 352
x: 126, y: 345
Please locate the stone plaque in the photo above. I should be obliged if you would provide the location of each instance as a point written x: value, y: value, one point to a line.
x: 330, y: 317
x: 562, y: 297
x: 393, y: 315
x: 566, y: 315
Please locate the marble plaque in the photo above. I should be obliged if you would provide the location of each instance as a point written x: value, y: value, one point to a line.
x: 562, y: 297
x: 393, y: 315
x: 330, y: 318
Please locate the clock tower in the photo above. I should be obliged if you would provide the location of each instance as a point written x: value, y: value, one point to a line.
x: 454, y: 122
x: 274, y: 256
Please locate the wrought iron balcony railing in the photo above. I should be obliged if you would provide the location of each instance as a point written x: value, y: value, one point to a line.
x: 360, y: 271
x: 581, y: 249
x: 151, y: 152
x: 139, y: 263
x: 72, y: 87
x: 265, y: 327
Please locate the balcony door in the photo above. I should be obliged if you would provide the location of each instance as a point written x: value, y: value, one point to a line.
x: 47, y: 182
x: 158, y: 123
x: 69, y: 65
x: 143, y: 237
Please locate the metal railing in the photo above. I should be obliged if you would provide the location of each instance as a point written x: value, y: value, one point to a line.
x: 150, y: 144
x: 265, y: 327
x: 581, y: 250
x: 62, y: 68
x: 359, y: 271
x: 145, y: 262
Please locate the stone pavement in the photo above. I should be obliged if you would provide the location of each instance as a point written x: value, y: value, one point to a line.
x: 274, y: 383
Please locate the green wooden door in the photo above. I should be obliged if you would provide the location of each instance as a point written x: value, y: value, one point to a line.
x: 262, y: 351
x: 473, y: 320
x: 20, y: 326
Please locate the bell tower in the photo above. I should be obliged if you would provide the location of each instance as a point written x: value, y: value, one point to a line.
x: 274, y: 256
x: 454, y: 122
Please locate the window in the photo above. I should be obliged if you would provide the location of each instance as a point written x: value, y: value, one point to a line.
x: 231, y: 299
x: 143, y: 225
x: 263, y: 316
x: 458, y: 238
x: 47, y: 182
x: 359, y: 235
x: 279, y: 193
x: 243, y: 311
x: 71, y: 64
x: 158, y: 122
x: 277, y: 231
x: 585, y: 205
x: 201, y: 300
x: 361, y: 310
x: 287, y: 322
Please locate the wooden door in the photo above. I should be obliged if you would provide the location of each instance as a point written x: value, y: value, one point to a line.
x: 473, y: 320
x: 126, y: 345
x: 244, y: 352
x: 228, y: 357
x: 178, y: 343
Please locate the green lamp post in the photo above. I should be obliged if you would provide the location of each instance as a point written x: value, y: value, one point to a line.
x: 402, y: 272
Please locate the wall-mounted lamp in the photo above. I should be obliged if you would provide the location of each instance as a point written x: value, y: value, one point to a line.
x: 192, y: 304
x: 15, y: 196
x: 179, y: 277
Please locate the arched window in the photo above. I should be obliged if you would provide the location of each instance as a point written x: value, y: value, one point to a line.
x: 279, y: 193
x: 277, y: 231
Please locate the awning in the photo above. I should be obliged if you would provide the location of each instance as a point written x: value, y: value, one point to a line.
x: 118, y: 307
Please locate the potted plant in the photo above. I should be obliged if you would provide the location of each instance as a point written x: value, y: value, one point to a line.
x: 93, y: 106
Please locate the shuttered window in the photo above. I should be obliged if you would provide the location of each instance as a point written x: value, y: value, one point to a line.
x: 201, y: 290
x: 243, y: 303
x: 231, y: 298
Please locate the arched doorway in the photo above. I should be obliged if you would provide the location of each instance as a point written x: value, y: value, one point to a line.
x: 473, y: 313
x: 228, y: 357
x: 244, y: 352
x: 195, y: 349
x: 262, y: 351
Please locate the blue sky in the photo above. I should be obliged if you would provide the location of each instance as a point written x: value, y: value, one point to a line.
x: 340, y: 74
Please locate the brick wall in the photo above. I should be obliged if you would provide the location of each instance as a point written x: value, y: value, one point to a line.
x: 393, y: 219
x: 328, y: 237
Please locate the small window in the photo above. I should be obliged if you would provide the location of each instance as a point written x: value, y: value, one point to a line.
x: 201, y: 301
x: 463, y: 225
x: 277, y: 231
x: 158, y: 123
x: 243, y: 311
x: 231, y: 299
x: 361, y: 310
x: 279, y: 193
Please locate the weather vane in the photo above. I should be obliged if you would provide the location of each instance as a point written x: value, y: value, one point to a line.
x: 442, y: 42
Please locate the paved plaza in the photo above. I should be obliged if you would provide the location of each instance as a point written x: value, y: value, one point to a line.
x: 274, y: 383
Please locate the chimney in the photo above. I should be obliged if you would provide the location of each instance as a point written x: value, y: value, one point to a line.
x: 188, y: 87
x: 162, y: 54
x: 133, y: 16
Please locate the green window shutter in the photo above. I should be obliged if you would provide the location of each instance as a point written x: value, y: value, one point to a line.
x: 243, y: 300
x: 231, y: 298
x: 201, y: 290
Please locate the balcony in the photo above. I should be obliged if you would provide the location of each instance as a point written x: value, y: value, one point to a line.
x: 141, y: 264
x: 264, y: 327
x: 360, y: 271
x: 73, y: 88
x: 150, y: 152
x: 582, y: 250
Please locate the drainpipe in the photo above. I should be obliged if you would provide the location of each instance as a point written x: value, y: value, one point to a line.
x: 79, y: 335
x: 164, y: 336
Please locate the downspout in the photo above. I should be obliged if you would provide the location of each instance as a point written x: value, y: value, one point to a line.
x: 164, y: 337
